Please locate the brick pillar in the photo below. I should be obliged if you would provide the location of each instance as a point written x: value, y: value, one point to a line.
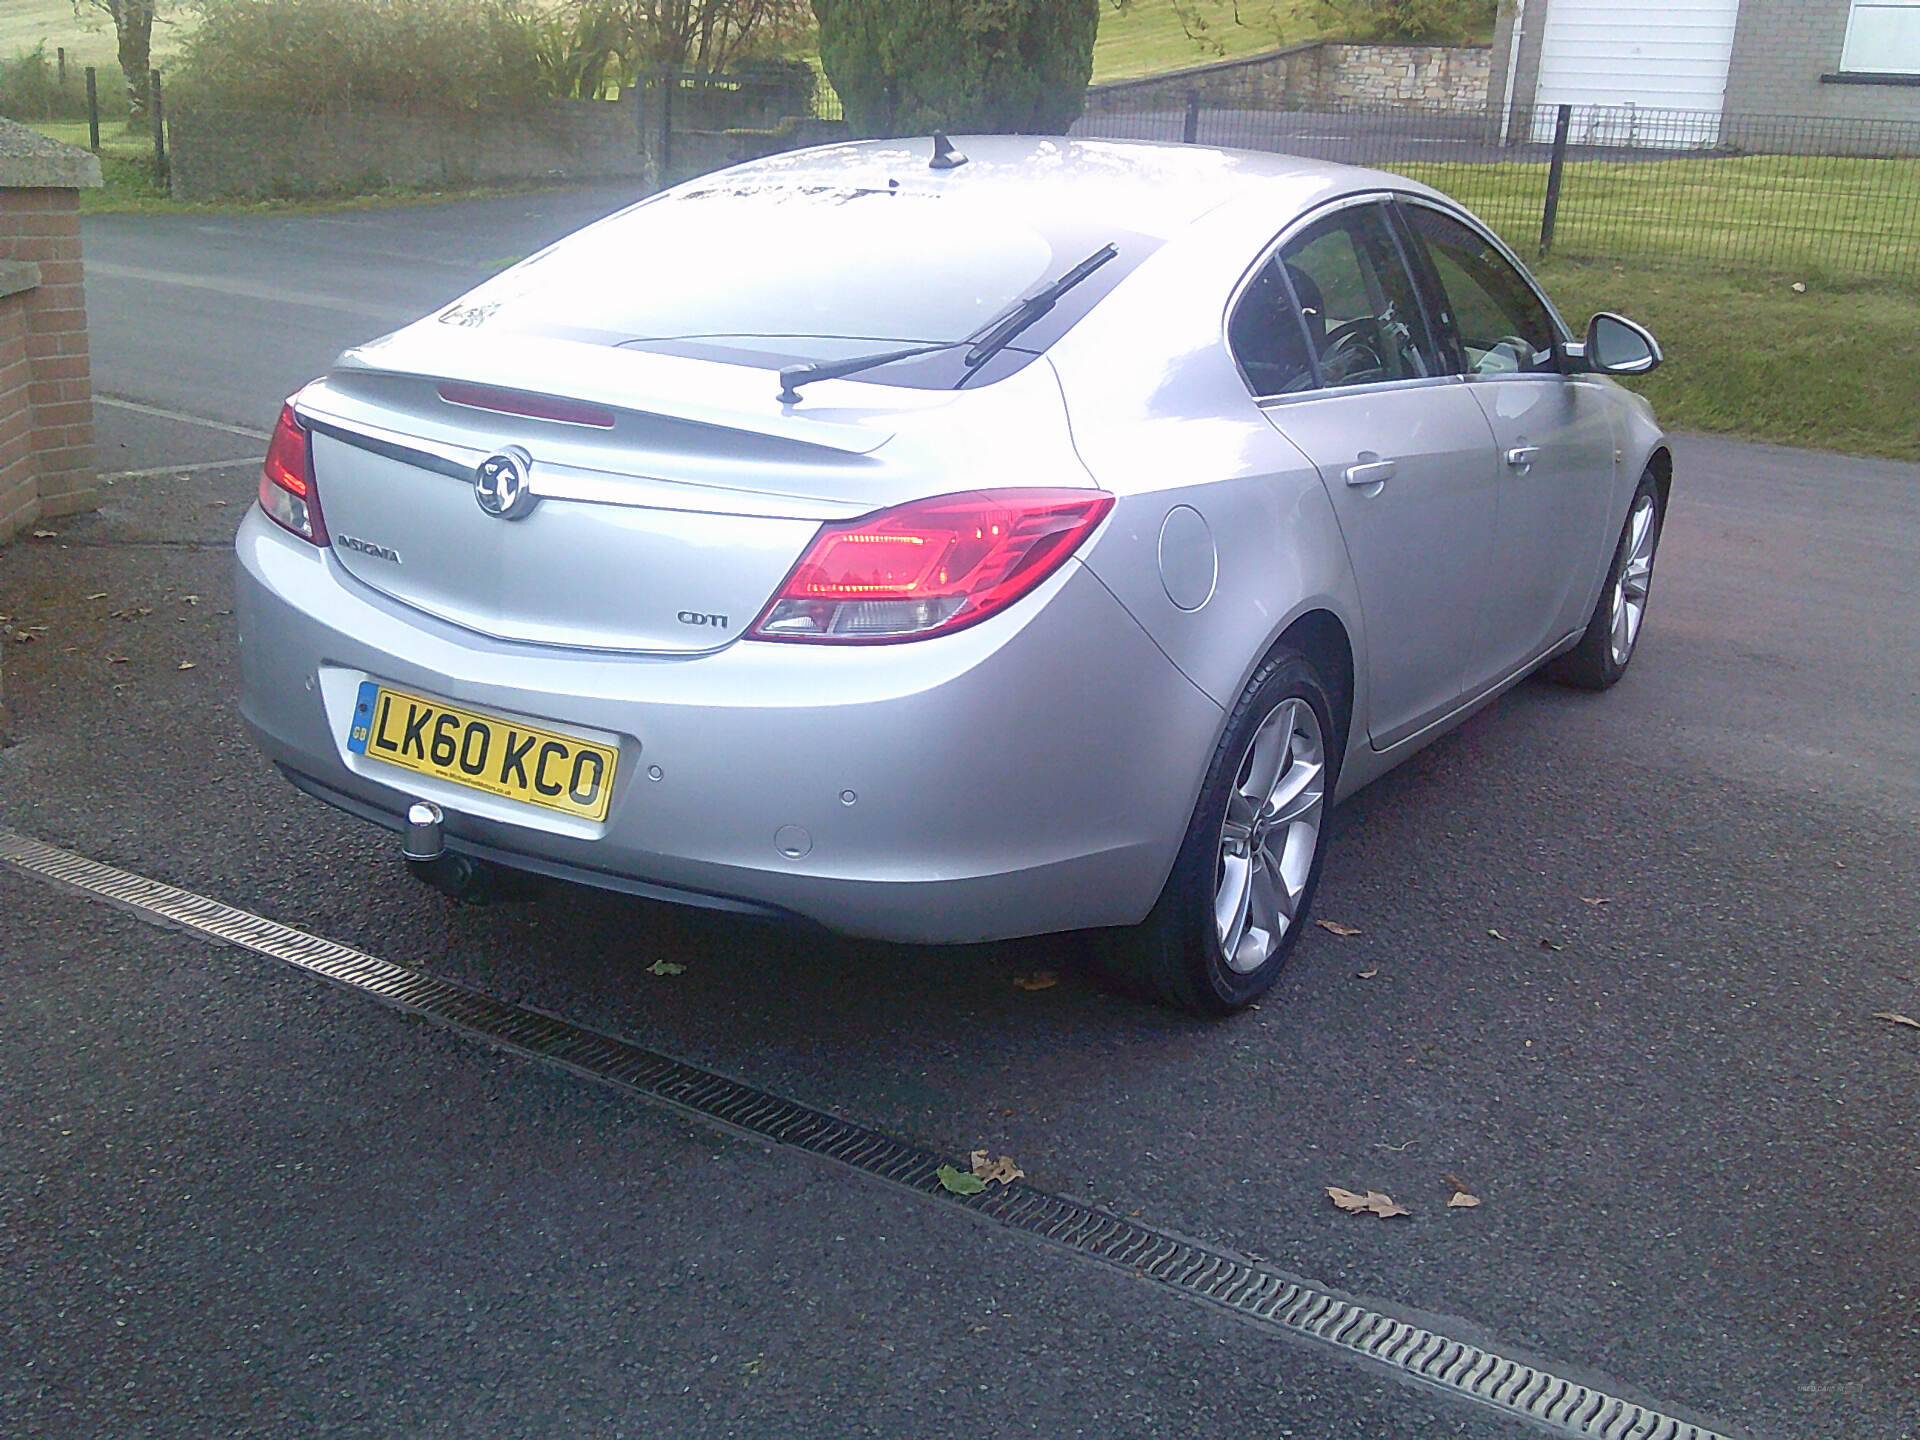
x: 40, y: 226
x: 46, y: 393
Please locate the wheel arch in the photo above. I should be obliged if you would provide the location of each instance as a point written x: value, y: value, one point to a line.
x: 1660, y: 462
x: 1321, y: 636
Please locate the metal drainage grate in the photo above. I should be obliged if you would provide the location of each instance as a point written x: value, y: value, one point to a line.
x: 1554, y: 1402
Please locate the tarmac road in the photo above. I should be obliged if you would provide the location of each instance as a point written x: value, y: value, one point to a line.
x: 236, y: 1201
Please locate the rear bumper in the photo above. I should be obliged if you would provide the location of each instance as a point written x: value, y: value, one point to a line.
x: 1033, y: 773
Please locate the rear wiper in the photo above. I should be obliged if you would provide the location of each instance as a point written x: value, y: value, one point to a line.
x: 1000, y: 333
x: 986, y: 342
x: 792, y: 376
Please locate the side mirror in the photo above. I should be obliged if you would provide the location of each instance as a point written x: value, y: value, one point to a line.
x: 1617, y: 346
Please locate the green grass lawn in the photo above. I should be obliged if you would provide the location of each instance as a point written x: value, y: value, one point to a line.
x: 1150, y: 36
x: 86, y: 33
x: 1821, y: 216
x: 1835, y: 367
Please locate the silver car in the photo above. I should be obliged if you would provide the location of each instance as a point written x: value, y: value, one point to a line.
x: 950, y: 541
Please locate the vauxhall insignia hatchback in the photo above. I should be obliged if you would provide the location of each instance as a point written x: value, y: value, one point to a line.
x: 947, y: 542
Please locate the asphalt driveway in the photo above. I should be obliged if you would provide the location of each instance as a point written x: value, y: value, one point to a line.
x: 1618, y: 966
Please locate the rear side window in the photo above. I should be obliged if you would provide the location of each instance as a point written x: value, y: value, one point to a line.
x: 1488, y: 315
x: 1268, y: 338
x: 1351, y: 315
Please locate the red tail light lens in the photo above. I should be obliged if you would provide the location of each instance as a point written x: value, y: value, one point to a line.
x: 287, y: 491
x: 930, y: 567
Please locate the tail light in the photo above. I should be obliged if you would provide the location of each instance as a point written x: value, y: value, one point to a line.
x: 287, y: 491
x: 930, y: 567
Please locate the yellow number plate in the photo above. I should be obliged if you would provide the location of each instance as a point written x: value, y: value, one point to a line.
x: 501, y: 757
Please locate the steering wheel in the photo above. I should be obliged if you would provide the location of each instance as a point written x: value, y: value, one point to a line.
x: 1350, y: 351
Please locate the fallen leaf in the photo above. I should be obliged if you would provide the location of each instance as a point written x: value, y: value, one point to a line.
x: 216, y: 503
x: 190, y: 599
x: 24, y: 637
x: 46, y: 534
x: 1496, y: 934
x: 665, y: 967
x: 186, y: 664
x: 1799, y: 287
x: 1595, y: 900
x: 118, y: 659
x: 1371, y: 1203
x: 1462, y: 1198
x: 1369, y: 974
x: 1896, y: 1019
x: 959, y: 1182
x: 1038, y: 980
x: 1397, y: 1149
x: 1336, y: 928
x: 98, y: 595
x: 999, y: 1169
x: 1546, y: 944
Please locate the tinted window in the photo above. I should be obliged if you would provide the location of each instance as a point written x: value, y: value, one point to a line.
x: 1268, y: 338
x: 771, y: 275
x: 1356, y: 302
x: 1485, y: 307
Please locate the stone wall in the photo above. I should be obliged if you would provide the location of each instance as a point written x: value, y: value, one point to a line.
x: 1316, y: 76
x: 1449, y: 77
x: 46, y: 392
x: 231, y: 152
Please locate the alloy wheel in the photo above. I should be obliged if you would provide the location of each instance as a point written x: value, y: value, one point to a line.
x: 1270, y: 835
x: 1634, y: 580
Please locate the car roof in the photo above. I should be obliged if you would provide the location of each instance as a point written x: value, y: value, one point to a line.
x: 1148, y: 187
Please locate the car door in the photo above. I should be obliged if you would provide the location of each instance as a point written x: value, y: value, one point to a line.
x: 1551, y: 431
x: 1330, y: 337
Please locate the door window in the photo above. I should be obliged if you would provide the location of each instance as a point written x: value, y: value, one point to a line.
x: 1335, y: 307
x: 1485, y: 309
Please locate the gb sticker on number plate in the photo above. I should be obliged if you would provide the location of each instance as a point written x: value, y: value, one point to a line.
x: 482, y: 752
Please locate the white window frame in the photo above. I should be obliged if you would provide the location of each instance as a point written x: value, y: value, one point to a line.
x: 1883, y: 38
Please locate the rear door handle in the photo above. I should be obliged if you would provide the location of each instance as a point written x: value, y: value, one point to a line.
x: 1522, y: 456
x: 1370, y: 472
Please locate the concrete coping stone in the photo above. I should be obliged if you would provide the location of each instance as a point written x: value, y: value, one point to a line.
x: 30, y: 161
x: 18, y: 275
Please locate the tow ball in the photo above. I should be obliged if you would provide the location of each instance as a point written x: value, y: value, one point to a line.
x: 461, y: 877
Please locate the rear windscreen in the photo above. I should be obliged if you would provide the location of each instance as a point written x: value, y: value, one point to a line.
x: 777, y: 275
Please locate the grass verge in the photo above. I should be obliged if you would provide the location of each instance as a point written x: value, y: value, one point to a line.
x: 1833, y: 367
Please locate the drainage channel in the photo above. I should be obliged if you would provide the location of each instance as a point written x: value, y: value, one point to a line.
x: 1556, y: 1403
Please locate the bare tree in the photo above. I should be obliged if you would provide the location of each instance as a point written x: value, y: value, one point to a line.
x: 708, y: 34
x: 133, y: 30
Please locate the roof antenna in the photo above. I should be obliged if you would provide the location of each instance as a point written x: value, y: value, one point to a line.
x: 945, y: 157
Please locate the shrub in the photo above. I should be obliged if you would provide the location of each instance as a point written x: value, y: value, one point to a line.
x: 460, y: 54
x: 906, y: 66
x: 1412, y: 21
x: 329, y: 54
x: 30, y: 89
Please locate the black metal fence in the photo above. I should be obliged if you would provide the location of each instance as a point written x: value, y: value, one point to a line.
x: 1833, y: 198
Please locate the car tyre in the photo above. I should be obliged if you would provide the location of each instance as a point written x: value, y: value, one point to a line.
x: 1613, y: 630
x: 1244, y: 879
